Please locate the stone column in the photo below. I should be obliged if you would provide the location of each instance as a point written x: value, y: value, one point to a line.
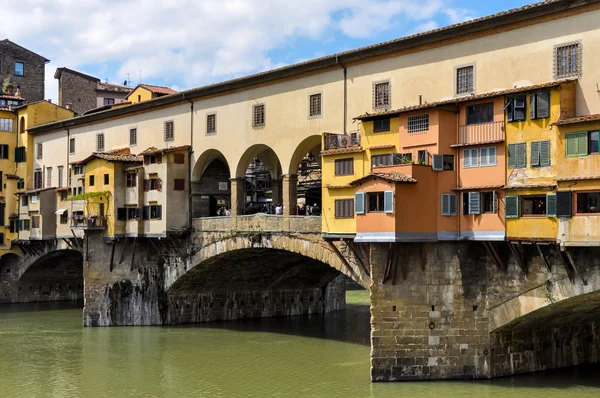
x: 277, y: 195
x: 238, y: 186
x: 290, y: 194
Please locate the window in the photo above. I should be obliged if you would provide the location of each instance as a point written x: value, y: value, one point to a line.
x: 443, y: 162
x: 517, y: 155
x: 37, y: 179
x: 488, y: 156
x: 78, y: 170
x: 488, y: 202
x: 152, y: 212
x: 92, y: 181
x: 106, y: 179
x: 314, y: 105
x: 375, y: 201
x: 39, y: 152
x: 6, y: 125
x: 480, y: 113
x: 21, y: 184
x: 381, y: 160
x: 179, y: 158
x: 19, y: 68
x: 20, y: 154
x: 258, y: 115
x: 133, y: 136
x: 4, y: 151
x: 381, y: 95
x: 567, y: 60
x: 24, y: 200
x: 470, y: 158
x: 422, y: 156
x: 533, y: 205
x: 464, y: 80
x: 152, y: 159
x: 63, y: 195
x: 588, y: 202
x: 133, y: 213
x: 131, y: 180
x: 179, y: 184
x: 109, y: 101
x: 35, y: 221
x: 515, y: 109
x: 540, y: 153
x: 344, y: 208
x: 72, y: 146
x: 169, y: 130
x: 539, y: 105
x: 100, y: 142
x: 344, y: 166
x: 26, y: 225
x: 381, y: 125
x: 449, y: 204
x: 152, y: 184
x: 359, y: 203
x: 64, y: 217
x: 581, y: 144
x: 211, y: 123
x: 418, y: 123
x: 402, y: 158
x: 60, y: 176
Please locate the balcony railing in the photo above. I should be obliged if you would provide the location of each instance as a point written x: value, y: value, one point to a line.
x: 480, y: 133
x: 339, y: 141
x: 88, y: 222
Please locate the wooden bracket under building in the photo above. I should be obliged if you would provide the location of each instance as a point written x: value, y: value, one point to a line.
x: 342, y: 259
x: 112, y: 256
x: 543, y: 256
x: 570, y: 267
x: 133, y: 254
x: 517, y: 253
x: 123, y: 252
x: 491, y: 251
x: 360, y: 260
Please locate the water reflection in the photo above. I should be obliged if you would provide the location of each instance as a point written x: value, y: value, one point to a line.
x: 46, y: 353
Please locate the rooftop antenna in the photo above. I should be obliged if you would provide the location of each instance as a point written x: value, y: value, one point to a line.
x: 140, y: 77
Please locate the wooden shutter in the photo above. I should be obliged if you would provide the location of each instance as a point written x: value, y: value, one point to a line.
x: 445, y: 205
x: 452, y: 204
x: 542, y: 105
x: 146, y: 212
x: 535, y: 153
x: 494, y: 202
x: 465, y: 203
x: 474, y: 157
x: 483, y: 153
x: 466, y: 158
x: 20, y: 225
x: 474, y: 203
x: 159, y: 158
x: 388, y: 201
x: 158, y: 184
x: 551, y: 205
x: 512, y: 156
x: 146, y: 159
x: 146, y: 185
x: 532, y: 106
x: 564, y: 204
x: 509, y: 110
x: 491, y: 152
x: 521, y: 155
x: 571, y: 144
x: 545, y: 153
x: 582, y: 143
x: 437, y: 162
x: 159, y: 212
x: 359, y: 203
x: 2, y: 211
x: 512, y: 206
x: 121, y: 213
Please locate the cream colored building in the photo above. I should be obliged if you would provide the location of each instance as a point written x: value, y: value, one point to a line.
x: 279, y: 116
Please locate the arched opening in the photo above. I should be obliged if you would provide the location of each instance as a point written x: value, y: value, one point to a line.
x: 211, y: 188
x: 259, y: 187
x: 255, y: 283
x: 302, y: 186
x: 55, y: 276
x: 22, y: 125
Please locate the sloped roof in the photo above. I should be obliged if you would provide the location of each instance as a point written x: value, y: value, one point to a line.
x: 390, y: 177
x: 462, y: 99
x: 153, y: 150
x: 577, y: 119
x: 59, y: 71
x: 111, y: 157
x: 25, y: 49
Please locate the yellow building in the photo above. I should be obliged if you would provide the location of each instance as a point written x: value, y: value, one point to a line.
x: 533, y: 160
x: 105, y: 182
x: 578, y: 177
x: 145, y: 92
x: 8, y: 129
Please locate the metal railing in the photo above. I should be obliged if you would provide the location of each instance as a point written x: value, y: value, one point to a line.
x: 338, y: 141
x: 88, y: 222
x: 483, y: 132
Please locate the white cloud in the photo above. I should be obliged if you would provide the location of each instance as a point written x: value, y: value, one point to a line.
x: 190, y: 42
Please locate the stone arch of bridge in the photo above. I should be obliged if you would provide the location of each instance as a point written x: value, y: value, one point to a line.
x: 211, y: 187
x: 557, y: 301
x: 9, y: 263
x: 65, y: 264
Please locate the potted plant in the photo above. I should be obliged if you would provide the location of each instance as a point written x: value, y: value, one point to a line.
x: 7, y: 86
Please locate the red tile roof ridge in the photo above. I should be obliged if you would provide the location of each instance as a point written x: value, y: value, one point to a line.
x: 577, y: 119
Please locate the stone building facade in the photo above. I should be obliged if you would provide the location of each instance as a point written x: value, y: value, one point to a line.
x: 25, y: 68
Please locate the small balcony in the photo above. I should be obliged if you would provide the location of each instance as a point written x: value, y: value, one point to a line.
x: 473, y: 134
x: 88, y: 222
x: 340, y: 141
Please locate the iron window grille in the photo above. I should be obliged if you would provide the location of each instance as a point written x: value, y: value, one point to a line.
x: 381, y: 95
x: 258, y: 115
x: 568, y: 60
x: 464, y: 80
x: 72, y: 146
x: 211, y: 123
x: 315, y: 105
x: 133, y: 136
x: 169, y: 132
x: 100, y: 143
x: 418, y: 123
x: 39, y: 152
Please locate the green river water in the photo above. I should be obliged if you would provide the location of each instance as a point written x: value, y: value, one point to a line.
x: 44, y: 352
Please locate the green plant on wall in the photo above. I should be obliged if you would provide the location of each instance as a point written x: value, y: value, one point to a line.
x: 90, y: 199
x: 7, y: 85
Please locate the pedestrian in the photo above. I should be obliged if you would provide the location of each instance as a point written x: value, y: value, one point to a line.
x: 279, y: 210
x: 227, y: 212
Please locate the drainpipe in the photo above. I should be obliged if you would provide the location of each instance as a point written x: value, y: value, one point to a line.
x: 459, y: 205
x: 190, y: 153
x: 337, y: 61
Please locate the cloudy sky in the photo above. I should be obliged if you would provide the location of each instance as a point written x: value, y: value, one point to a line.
x: 189, y: 43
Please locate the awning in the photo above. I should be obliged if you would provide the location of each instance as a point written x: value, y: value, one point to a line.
x: 60, y: 211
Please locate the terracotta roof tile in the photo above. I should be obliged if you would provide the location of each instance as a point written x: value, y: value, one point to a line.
x: 577, y: 119
x: 515, y: 187
x: 458, y: 100
x: 353, y: 149
x: 576, y: 178
x: 158, y: 89
x: 338, y: 186
x: 12, y: 177
x: 381, y: 146
x: 391, y: 177
x: 153, y: 150
x: 477, y: 187
x: 111, y: 157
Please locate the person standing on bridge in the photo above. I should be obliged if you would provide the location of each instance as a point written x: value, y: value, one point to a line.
x: 279, y: 210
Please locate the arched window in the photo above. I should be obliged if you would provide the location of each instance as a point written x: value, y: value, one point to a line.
x: 22, y: 125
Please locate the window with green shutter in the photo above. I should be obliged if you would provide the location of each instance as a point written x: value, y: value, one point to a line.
x: 512, y: 206
x: 564, y: 203
x: 535, y: 154
x: 449, y: 207
x: 551, y: 205
x: 521, y: 155
x: 545, y: 153
x: 388, y: 201
x: 576, y: 144
x: 539, y: 106
x: 359, y: 203
x: 474, y: 203
x: 512, y: 156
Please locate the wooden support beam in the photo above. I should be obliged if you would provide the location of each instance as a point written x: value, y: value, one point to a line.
x: 388, y: 263
x: 158, y: 251
x: 358, y: 258
x: 123, y: 252
x: 133, y: 254
x: 112, y: 256
x: 515, y: 251
x: 68, y: 243
x: 405, y: 256
x: 543, y: 256
x: 76, y: 241
x: 571, y: 267
x: 491, y: 250
x: 87, y: 246
x: 342, y: 259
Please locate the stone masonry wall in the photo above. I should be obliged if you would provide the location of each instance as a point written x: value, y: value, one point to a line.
x: 32, y: 83
x: 77, y: 91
